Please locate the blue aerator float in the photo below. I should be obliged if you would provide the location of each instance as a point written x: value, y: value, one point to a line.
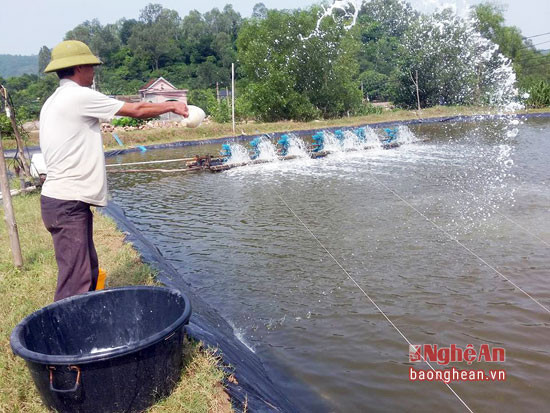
x: 318, y: 142
x: 392, y: 134
x: 225, y: 152
x: 254, y: 150
x: 284, y: 142
x: 361, y: 133
x: 391, y: 139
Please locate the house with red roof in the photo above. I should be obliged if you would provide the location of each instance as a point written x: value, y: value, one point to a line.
x: 161, y: 90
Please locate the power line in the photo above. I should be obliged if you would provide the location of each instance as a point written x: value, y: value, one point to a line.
x: 526, y: 46
x: 531, y: 46
x: 536, y: 44
x: 536, y: 35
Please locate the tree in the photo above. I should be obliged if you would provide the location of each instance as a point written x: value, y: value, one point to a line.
x: 530, y: 65
x: 291, y: 76
x: 203, y: 98
x: 455, y: 65
x: 208, y: 45
x: 382, y: 25
x: 155, y: 37
x: 102, y: 40
x: 392, y: 17
x: 126, y: 28
x: 44, y: 56
x: 259, y: 11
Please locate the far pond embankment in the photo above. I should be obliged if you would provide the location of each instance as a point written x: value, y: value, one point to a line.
x: 213, y: 130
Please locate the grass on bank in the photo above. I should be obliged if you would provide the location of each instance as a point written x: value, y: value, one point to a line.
x: 213, y: 130
x: 25, y: 290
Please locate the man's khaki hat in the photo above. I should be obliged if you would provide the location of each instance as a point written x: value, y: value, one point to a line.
x: 70, y: 53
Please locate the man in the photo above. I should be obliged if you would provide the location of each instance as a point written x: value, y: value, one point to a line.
x: 70, y: 140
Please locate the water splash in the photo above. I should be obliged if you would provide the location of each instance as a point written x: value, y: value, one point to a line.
x: 371, y: 138
x: 349, y: 10
x: 443, y: 33
x: 351, y: 142
x: 331, y: 143
x: 239, y: 154
x: 267, y: 151
x: 297, y: 147
x: 405, y: 136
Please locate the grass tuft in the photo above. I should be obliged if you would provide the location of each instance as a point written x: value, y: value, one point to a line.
x: 31, y: 287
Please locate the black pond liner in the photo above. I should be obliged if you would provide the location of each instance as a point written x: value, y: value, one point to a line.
x: 116, y: 350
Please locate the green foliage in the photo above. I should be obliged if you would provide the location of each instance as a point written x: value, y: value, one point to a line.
x: 221, y: 112
x: 375, y: 85
x: 5, y: 126
x: 450, y: 64
x: 44, y: 57
x: 125, y: 121
x: 203, y: 98
x: 539, y: 95
x: 29, y: 92
x: 293, y: 76
x: 368, y: 109
x: 154, y: 37
x: 530, y: 64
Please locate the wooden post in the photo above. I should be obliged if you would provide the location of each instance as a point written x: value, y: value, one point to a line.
x: 233, y: 95
x: 415, y: 81
x: 9, y: 215
x: 417, y: 92
x: 20, y: 146
x: 218, y: 92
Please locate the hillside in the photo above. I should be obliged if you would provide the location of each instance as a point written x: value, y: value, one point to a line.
x: 17, y: 65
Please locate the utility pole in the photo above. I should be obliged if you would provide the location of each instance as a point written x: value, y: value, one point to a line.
x: 9, y: 215
x: 233, y: 95
x: 10, y: 112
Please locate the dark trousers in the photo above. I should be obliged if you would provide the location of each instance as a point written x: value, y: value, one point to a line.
x: 71, y: 226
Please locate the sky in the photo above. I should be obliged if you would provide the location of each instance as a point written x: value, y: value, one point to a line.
x: 26, y: 26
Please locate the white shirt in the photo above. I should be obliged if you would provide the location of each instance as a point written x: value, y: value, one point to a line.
x: 70, y: 140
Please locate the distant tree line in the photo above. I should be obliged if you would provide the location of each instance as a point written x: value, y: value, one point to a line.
x: 16, y: 65
x: 287, y: 70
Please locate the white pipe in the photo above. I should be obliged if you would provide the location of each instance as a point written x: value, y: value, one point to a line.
x: 149, y: 162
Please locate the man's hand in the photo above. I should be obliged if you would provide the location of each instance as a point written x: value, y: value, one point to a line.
x: 181, y: 109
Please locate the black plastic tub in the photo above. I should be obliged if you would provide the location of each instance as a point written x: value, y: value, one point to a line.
x: 115, y: 350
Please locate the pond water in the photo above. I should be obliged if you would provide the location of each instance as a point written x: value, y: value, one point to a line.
x: 434, y: 232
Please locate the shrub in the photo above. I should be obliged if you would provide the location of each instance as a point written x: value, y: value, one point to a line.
x: 220, y: 111
x: 368, y: 109
x: 203, y: 98
x: 539, y: 95
x: 124, y: 121
x: 5, y: 125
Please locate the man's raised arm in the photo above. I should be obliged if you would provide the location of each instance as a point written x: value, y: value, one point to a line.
x: 146, y: 110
